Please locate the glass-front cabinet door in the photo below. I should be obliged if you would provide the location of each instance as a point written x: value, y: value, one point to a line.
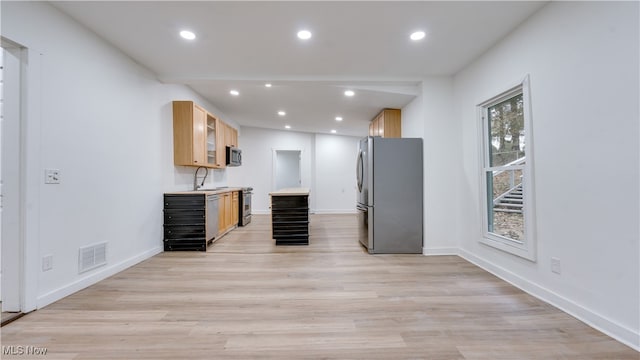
x: 211, y: 141
x: 199, y: 134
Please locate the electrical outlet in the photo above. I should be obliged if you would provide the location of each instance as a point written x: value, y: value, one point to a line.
x: 52, y: 176
x: 555, y: 265
x: 47, y: 262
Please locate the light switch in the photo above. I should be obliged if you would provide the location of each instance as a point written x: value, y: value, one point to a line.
x: 52, y: 176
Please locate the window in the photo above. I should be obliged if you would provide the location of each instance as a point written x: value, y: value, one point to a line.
x: 507, y: 172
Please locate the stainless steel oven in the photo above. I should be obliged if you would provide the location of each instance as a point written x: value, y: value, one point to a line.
x: 245, y: 206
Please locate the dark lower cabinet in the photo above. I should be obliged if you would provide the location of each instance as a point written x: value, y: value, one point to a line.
x: 184, y: 222
x: 290, y: 219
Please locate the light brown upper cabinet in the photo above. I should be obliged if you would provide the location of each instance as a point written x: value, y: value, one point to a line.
x: 373, y: 128
x: 386, y: 124
x: 231, y: 136
x: 199, y: 138
x: 221, y: 151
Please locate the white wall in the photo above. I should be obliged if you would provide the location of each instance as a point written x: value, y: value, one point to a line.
x: 257, y: 162
x: 413, y: 117
x: 582, y: 58
x: 106, y: 124
x: 328, y: 167
x: 335, y: 173
x: 442, y: 156
x: 430, y: 117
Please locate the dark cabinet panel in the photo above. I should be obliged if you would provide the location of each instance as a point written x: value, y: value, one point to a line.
x: 290, y: 219
x: 184, y: 222
x: 184, y: 217
x: 186, y: 201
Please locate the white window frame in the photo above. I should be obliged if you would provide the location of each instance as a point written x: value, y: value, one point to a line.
x: 527, y: 247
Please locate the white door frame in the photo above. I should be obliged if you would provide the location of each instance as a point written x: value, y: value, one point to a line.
x: 21, y: 251
x: 11, y: 233
x: 275, y: 161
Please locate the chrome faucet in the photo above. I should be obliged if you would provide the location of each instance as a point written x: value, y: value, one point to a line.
x: 195, y: 178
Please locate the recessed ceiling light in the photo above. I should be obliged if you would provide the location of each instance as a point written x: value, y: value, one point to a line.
x: 333, y: 131
x: 186, y: 34
x: 282, y: 113
x: 418, y: 35
x: 287, y: 127
x: 234, y: 92
x: 349, y: 93
x: 304, y: 34
x: 267, y: 85
x: 338, y: 118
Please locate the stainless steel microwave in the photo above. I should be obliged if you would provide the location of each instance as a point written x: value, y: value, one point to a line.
x: 234, y: 156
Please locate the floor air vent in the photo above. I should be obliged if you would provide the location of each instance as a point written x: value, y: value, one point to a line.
x: 91, y: 257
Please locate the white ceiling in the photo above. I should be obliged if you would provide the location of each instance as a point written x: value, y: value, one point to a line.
x: 359, y: 45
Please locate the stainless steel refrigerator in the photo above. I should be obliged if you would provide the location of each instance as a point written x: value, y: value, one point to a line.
x: 390, y: 210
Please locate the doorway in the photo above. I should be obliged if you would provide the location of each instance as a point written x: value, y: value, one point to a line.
x: 287, y: 171
x: 10, y: 176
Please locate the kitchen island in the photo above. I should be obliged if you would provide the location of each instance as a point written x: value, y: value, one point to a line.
x: 290, y: 216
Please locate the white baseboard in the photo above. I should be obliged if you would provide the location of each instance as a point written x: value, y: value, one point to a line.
x: 601, y: 323
x: 98, y: 275
x: 439, y: 251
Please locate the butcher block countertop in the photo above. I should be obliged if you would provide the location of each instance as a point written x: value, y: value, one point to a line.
x: 290, y: 192
x: 206, y: 192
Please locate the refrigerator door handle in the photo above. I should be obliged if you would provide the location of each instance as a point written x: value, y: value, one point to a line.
x: 360, y: 171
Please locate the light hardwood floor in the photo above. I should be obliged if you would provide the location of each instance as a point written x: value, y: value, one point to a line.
x: 245, y: 298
